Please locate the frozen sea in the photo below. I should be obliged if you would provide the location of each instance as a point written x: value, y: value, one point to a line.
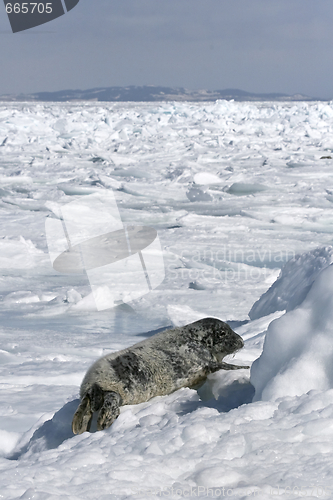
x: 240, y: 195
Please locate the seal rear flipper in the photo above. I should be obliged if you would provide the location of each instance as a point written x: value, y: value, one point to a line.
x: 82, y: 417
x: 110, y: 410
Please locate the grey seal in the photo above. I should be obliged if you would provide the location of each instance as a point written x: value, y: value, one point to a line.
x: 175, y: 358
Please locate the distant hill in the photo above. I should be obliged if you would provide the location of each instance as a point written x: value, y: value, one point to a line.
x: 151, y: 94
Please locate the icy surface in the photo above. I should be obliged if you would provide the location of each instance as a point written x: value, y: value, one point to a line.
x: 234, y: 190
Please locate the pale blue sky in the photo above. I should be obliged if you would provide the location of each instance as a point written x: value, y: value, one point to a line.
x: 254, y: 45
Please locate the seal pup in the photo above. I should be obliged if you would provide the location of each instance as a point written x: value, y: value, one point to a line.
x: 175, y: 358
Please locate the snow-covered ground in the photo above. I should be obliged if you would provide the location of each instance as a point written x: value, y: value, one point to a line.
x: 235, y: 191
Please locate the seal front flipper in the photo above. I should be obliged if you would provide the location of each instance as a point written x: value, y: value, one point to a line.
x: 226, y: 366
x: 216, y: 366
x: 110, y: 410
x: 82, y: 417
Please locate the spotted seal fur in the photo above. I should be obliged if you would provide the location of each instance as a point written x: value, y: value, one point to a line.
x: 159, y: 365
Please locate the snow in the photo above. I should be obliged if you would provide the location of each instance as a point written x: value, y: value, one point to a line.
x: 241, y: 200
x: 293, y: 283
x: 298, y: 348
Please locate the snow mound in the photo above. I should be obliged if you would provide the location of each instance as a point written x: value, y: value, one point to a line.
x: 298, y: 348
x: 293, y: 283
x: 204, y: 178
